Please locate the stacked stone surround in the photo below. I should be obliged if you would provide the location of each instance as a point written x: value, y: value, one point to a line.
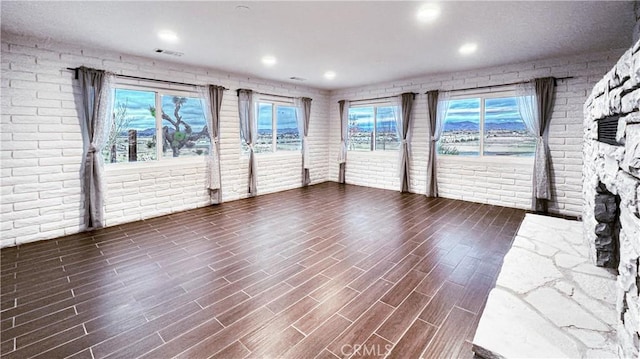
x: 611, y: 190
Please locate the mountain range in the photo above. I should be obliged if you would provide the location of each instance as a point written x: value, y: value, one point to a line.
x: 141, y: 133
x: 490, y: 126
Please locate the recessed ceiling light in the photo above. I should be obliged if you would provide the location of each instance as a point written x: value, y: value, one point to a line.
x: 269, y: 60
x: 168, y: 36
x: 329, y: 75
x: 468, y: 48
x: 428, y: 12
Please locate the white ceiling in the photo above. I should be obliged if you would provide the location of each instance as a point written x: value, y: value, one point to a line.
x: 364, y: 42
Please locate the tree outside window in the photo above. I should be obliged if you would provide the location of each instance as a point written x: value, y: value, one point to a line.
x: 180, y: 127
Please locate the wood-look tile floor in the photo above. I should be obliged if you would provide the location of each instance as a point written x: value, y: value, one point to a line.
x: 325, y: 271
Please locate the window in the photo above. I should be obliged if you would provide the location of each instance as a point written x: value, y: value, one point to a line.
x: 180, y: 127
x: 485, y: 126
x: 373, y: 128
x: 277, y: 128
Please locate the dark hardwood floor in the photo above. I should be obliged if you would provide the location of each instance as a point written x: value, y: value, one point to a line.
x: 325, y: 271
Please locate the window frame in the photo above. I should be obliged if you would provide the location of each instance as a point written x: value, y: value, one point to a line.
x: 509, y: 91
x: 159, y: 93
x: 375, y: 105
x: 275, y: 102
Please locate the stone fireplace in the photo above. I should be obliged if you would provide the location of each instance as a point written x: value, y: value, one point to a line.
x: 611, y: 188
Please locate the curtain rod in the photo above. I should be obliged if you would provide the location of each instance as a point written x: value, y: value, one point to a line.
x: 507, y: 84
x: 144, y: 79
x: 268, y: 94
x: 380, y: 98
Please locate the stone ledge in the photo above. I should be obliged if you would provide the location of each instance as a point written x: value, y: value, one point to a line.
x: 549, y: 299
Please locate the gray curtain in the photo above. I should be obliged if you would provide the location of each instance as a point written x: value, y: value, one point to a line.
x: 306, y: 116
x: 214, y: 175
x: 95, y: 87
x: 545, y: 94
x: 432, y: 107
x: 407, y: 105
x: 344, y: 130
x: 248, y: 128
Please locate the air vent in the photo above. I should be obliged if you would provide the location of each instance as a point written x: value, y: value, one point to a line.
x: 168, y: 52
x: 607, y: 128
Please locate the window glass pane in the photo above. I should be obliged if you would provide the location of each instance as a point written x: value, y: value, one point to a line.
x: 288, y: 138
x: 184, y: 127
x: 132, y: 118
x: 461, y: 133
x: 386, y: 132
x: 504, y: 132
x: 265, y: 128
x: 361, y: 128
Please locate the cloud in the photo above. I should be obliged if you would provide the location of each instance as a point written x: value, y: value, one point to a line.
x: 286, y: 117
x: 138, y: 103
x: 363, y: 116
x: 503, y: 109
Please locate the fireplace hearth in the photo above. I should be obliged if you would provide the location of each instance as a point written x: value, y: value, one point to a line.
x: 611, y: 188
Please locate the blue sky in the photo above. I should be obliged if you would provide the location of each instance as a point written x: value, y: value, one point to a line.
x: 496, y: 110
x: 286, y: 116
x: 364, y: 117
x: 138, y: 103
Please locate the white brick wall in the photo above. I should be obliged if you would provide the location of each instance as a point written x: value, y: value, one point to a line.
x: 486, y: 181
x: 507, y: 183
x: 378, y: 169
x: 41, y: 145
x: 41, y: 148
x: 137, y: 192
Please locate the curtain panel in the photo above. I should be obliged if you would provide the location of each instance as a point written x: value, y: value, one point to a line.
x: 248, y: 131
x: 535, y: 104
x: 213, y: 102
x: 432, y: 108
x: 96, y: 120
x: 437, y: 106
x: 528, y: 109
x: 303, y: 106
x: 344, y: 134
x: 545, y: 96
x: 403, y: 126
